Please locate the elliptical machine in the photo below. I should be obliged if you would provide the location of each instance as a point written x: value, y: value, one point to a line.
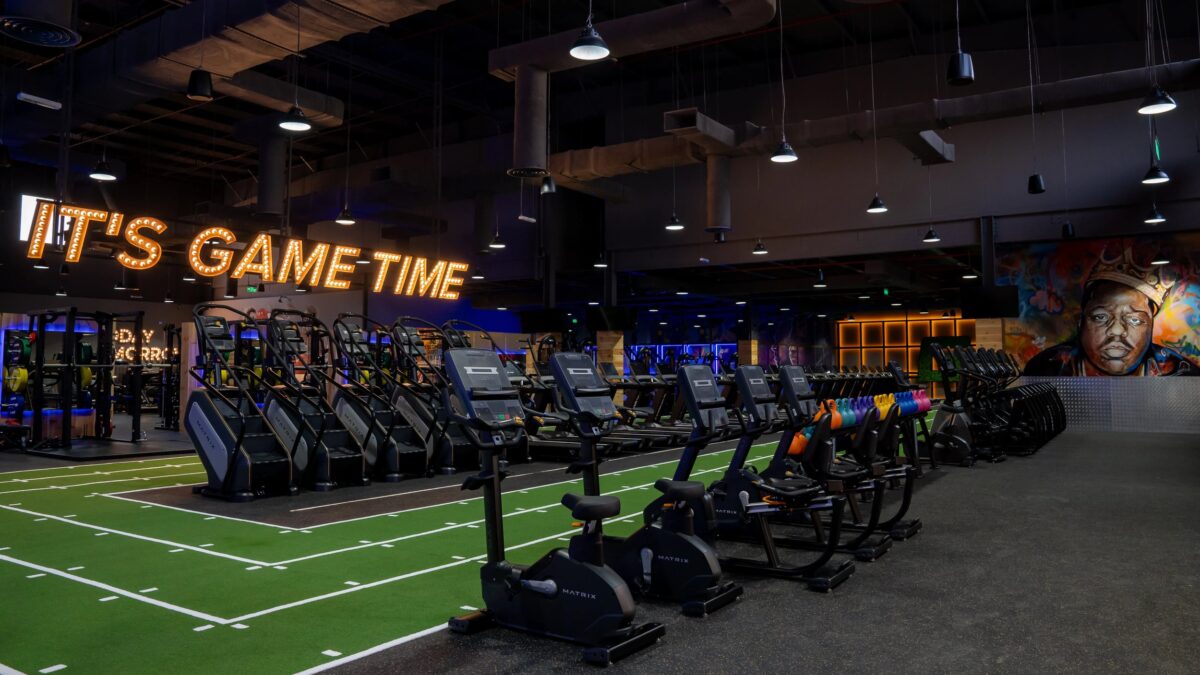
x: 567, y: 594
x: 664, y: 559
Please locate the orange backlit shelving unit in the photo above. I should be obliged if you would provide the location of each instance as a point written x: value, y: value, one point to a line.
x: 873, y: 340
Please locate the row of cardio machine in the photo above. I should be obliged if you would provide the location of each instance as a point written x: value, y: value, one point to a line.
x: 816, y: 508
x: 985, y: 415
x: 323, y: 407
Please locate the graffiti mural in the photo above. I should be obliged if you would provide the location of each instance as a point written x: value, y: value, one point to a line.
x: 1104, y: 308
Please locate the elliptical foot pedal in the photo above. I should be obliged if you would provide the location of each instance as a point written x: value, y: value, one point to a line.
x: 905, y: 529
x: 830, y: 576
x: 638, y: 639
x: 723, y: 595
x: 469, y: 624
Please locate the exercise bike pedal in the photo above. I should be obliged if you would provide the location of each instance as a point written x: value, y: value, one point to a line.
x: 724, y: 594
x: 474, y: 622
x: 638, y: 639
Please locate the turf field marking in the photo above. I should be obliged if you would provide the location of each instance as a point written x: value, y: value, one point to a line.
x: 99, y: 473
x: 53, y: 669
x: 373, y: 650
x: 331, y: 653
x: 69, y: 467
x: 201, y: 629
x: 35, y: 576
x: 108, y: 599
x: 5, y: 670
x: 208, y: 516
x: 100, y: 482
x: 240, y: 626
x: 149, y: 590
x: 113, y: 589
x: 75, y: 568
x: 142, y: 537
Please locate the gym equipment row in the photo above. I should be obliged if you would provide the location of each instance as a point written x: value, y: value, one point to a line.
x: 983, y: 416
x: 585, y: 593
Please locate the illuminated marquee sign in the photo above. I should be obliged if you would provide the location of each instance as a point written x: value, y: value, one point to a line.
x: 126, y: 344
x: 317, y: 263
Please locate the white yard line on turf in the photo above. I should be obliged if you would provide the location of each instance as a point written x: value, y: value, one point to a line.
x: 5, y: 670
x: 101, y: 473
x: 101, y: 482
x: 349, y: 658
x: 90, y: 465
x: 113, y: 589
x: 155, y: 540
x: 120, y: 496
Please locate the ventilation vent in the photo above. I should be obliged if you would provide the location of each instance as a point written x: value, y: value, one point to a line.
x: 44, y: 23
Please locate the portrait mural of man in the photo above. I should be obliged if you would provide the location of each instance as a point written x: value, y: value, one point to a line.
x: 1112, y: 330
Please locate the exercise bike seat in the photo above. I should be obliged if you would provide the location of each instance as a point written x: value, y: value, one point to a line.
x: 685, y: 490
x: 591, y: 508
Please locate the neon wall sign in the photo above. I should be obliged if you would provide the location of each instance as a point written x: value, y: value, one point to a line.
x: 299, y: 260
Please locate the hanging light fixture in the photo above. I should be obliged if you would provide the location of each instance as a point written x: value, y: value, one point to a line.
x: 295, y: 121
x: 169, y: 299
x: 1160, y: 259
x: 61, y: 292
x: 970, y: 276
x: 64, y: 270
x: 231, y: 285
x: 820, y: 282
x: 497, y: 243
x: 931, y: 236
x: 103, y: 171
x: 189, y: 275
x: 589, y: 46
x: 478, y: 276
x: 1155, y: 175
x: 549, y: 187
x: 674, y: 224
x: 876, y: 206
x: 301, y: 288
x: 1154, y: 216
x: 1036, y: 185
x: 600, y: 263
x: 1157, y: 101
x: 364, y: 257
x: 961, y: 69
x: 760, y: 248
x: 122, y: 283
x: 41, y: 264
x: 784, y: 154
x: 200, y: 86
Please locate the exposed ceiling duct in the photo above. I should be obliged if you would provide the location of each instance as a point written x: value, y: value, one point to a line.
x: 528, y: 63
x: 45, y: 23
x: 157, y: 57
x: 571, y: 168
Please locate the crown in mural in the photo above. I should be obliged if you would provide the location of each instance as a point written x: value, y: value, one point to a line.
x: 1150, y: 281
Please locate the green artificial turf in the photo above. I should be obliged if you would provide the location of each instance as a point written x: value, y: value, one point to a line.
x: 102, y: 583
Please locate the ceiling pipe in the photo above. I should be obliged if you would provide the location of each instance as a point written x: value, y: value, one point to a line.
x: 529, y: 63
x: 653, y: 154
x: 157, y: 57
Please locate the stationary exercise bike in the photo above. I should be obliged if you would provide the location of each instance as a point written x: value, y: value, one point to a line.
x: 567, y: 594
x: 664, y: 560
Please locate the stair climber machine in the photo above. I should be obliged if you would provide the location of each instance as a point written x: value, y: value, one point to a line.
x: 392, y: 448
x: 874, y: 451
x: 417, y: 396
x: 241, y: 451
x: 324, y: 454
x: 742, y: 505
x: 664, y: 559
x: 566, y: 594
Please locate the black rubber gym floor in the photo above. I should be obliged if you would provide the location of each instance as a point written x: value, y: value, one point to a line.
x: 1078, y: 559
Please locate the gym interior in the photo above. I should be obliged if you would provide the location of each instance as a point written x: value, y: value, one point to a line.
x: 364, y: 336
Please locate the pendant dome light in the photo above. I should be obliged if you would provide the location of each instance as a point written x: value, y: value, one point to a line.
x: 1155, y: 174
x: 961, y: 69
x: 1036, y: 185
x: 784, y: 154
x: 1068, y: 230
x: 40, y: 264
x: 1157, y: 101
x: 931, y: 236
x: 589, y: 46
x: 497, y: 243
x: 200, y: 85
x: 600, y: 263
x: 1160, y: 259
x: 295, y: 121
x: 760, y: 248
x: 876, y: 206
x: 1154, y: 216
x: 103, y: 171
x: 820, y: 282
x: 549, y: 187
